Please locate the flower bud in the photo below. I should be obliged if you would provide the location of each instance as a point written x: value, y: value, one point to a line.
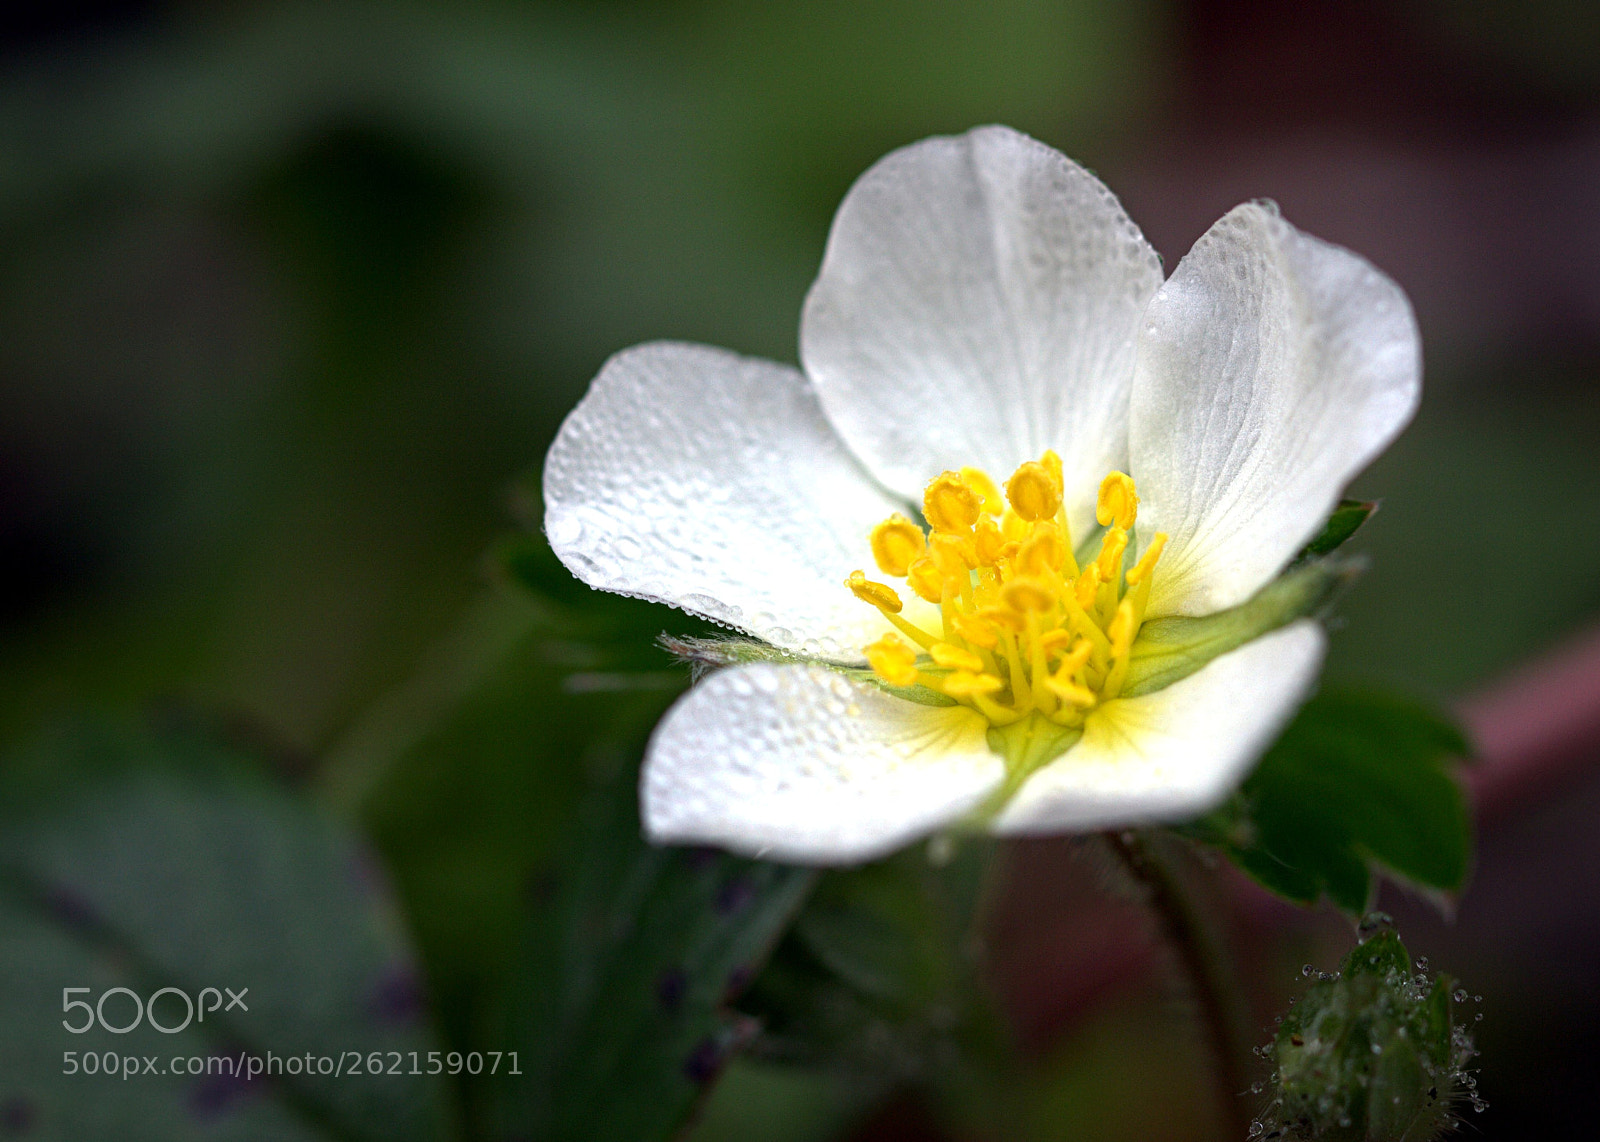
x: 1370, y: 1053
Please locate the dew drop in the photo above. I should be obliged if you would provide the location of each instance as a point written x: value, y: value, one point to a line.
x: 563, y: 530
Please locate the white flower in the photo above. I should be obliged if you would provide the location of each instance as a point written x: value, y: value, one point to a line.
x: 985, y: 306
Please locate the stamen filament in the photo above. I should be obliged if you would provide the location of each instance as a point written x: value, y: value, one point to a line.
x: 1021, y: 697
x: 1042, y: 699
x: 915, y: 633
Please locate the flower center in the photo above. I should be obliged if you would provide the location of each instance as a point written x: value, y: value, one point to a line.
x: 1024, y: 629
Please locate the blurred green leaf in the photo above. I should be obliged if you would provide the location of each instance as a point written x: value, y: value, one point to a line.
x: 621, y: 1006
x: 130, y: 862
x: 879, y: 978
x: 621, y: 631
x: 1359, y: 780
x: 470, y: 774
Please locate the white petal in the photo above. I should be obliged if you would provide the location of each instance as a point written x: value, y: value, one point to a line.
x: 1173, y: 754
x: 977, y: 304
x: 697, y: 477
x: 801, y: 764
x: 1273, y: 367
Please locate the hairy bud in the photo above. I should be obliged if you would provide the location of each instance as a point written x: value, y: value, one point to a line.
x: 1372, y: 1053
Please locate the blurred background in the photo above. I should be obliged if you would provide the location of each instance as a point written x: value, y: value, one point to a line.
x: 293, y: 297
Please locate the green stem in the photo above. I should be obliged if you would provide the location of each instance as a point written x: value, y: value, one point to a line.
x: 1224, y: 1007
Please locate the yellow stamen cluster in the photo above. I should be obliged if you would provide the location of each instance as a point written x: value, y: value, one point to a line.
x: 1024, y: 629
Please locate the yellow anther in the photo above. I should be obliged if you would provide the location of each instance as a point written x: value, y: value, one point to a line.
x: 976, y: 631
x: 950, y: 503
x: 978, y: 480
x: 952, y: 554
x: 1052, y: 640
x: 1118, y: 503
x: 1025, y: 595
x: 1003, y: 617
x: 1147, y: 561
x: 1034, y: 492
x: 1052, y: 464
x: 925, y: 578
x: 1075, y: 659
x: 1069, y: 691
x: 893, y: 660
x: 1045, y: 550
x: 988, y: 542
x: 1112, y: 549
x: 965, y: 683
x: 954, y: 658
x: 1087, y: 586
x: 895, y: 543
x: 879, y: 595
x: 1122, y: 629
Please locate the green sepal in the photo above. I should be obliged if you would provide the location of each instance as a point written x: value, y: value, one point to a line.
x: 1170, y: 649
x: 714, y: 653
x: 1358, y: 781
x: 1345, y: 521
x: 921, y: 695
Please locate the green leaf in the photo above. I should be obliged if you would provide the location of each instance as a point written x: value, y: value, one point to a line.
x: 879, y: 978
x: 1359, y: 781
x: 527, y: 560
x: 130, y: 862
x: 622, y: 1005
x: 604, y: 631
x: 1346, y: 519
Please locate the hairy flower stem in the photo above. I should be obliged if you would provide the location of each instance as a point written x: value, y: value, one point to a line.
x: 1224, y: 1008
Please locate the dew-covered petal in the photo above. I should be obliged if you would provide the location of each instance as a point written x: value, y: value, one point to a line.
x: 802, y: 764
x: 978, y: 303
x: 1273, y: 367
x: 1173, y: 754
x: 711, y: 481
